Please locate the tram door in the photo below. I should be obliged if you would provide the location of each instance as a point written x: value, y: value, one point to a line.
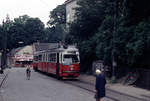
x: 57, y: 65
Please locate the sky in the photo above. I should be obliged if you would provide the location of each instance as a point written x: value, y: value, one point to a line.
x: 33, y: 8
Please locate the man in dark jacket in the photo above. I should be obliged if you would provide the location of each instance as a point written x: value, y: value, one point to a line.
x: 100, y: 84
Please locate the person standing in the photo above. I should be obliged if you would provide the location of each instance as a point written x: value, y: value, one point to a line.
x: 100, y: 85
x: 28, y: 72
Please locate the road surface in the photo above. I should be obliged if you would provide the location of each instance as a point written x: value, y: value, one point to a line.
x: 40, y: 88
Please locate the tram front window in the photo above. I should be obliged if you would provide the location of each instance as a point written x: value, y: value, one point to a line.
x: 69, y: 59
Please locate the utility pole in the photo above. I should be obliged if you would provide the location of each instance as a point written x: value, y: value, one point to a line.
x: 119, y: 11
x: 114, y: 62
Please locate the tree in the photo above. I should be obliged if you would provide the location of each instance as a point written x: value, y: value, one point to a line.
x: 138, y: 46
x: 99, y: 30
x: 1, y: 37
x: 137, y: 11
x: 17, y: 31
x: 34, y: 30
x: 57, y: 16
x: 24, y: 29
x: 89, y: 17
x: 57, y: 24
x: 21, y: 20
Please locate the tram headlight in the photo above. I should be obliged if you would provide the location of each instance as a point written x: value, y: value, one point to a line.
x: 71, y: 68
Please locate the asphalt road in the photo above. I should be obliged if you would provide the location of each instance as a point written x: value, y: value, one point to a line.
x: 41, y: 88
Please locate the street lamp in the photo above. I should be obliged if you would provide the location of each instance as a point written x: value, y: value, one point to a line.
x: 20, y: 43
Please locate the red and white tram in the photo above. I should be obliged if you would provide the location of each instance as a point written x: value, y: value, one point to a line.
x: 62, y: 62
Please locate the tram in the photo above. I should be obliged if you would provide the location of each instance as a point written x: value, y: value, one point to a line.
x: 60, y: 61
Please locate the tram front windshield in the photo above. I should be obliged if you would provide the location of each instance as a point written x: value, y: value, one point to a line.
x: 69, y: 59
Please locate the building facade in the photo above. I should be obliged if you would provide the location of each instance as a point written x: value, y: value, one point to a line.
x: 20, y: 57
x: 70, y: 11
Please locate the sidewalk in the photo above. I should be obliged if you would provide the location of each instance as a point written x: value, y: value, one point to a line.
x: 117, y: 87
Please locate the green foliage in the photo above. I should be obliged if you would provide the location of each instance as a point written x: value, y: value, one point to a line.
x: 23, y: 29
x: 35, y: 28
x: 119, y: 26
x: 100, y: 28
x: 57, y: 24
x: 57, y: 16
x: 104, y: 39
x: 21, y: 19
x: 55, y: 34
x: 29, y: 30
x: 89, y: 16
x: 139, y: 45
x: 138, y: 10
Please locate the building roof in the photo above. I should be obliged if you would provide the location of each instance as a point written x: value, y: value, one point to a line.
x: 14, y: 51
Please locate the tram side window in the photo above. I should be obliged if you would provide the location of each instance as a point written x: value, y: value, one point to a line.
x: 35, y: 58
x: 52, y: 57
x: 40, y: 57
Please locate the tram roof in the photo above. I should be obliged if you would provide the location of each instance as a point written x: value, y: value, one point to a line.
x: 59, y: 49
x: 44, y: 46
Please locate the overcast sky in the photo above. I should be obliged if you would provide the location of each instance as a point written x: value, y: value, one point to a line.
x: 33, y: 8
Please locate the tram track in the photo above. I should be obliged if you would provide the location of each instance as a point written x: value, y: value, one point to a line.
x: 77, y: 83
x: 111, y: 94
x: 86, y: 87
